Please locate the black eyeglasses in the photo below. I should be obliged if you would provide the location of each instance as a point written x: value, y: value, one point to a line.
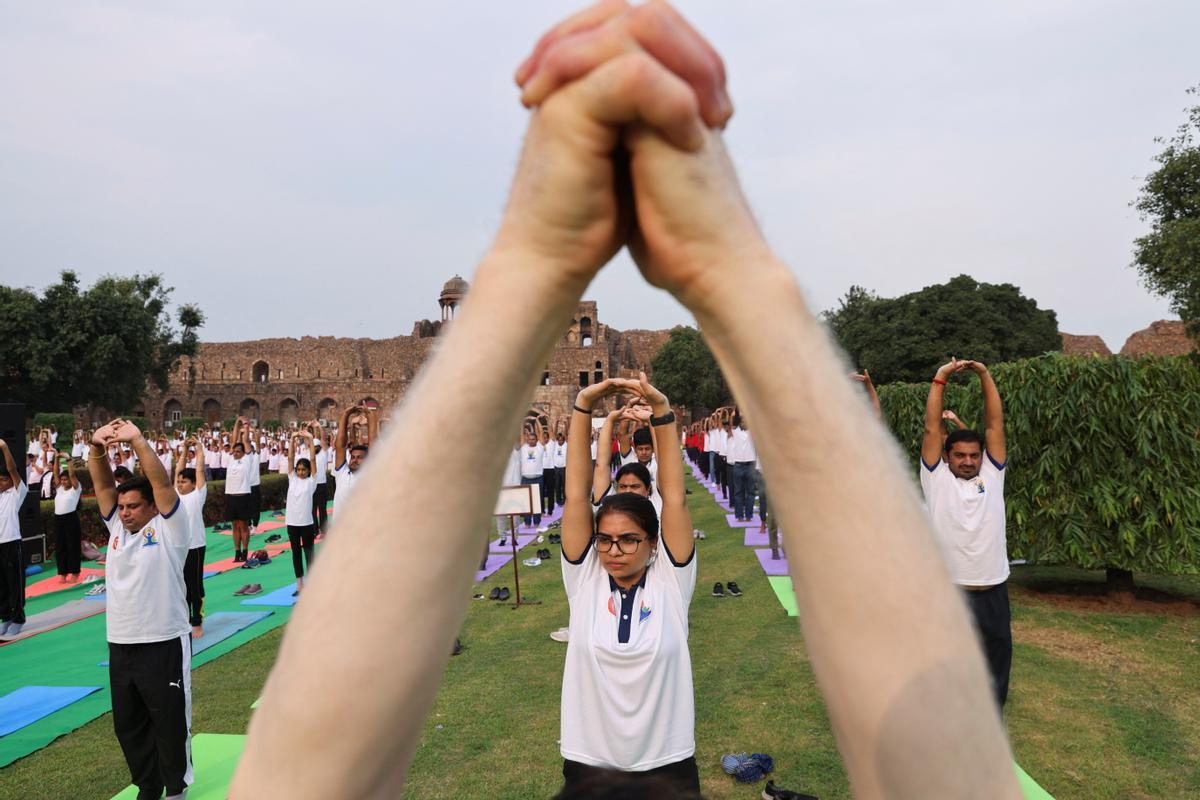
x: 625, y: 544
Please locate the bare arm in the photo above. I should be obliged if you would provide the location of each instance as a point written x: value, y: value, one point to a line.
x: 100, y: 470
x: 624, y: 435
x: 339, y: 442
x: 993, y: 414
x: 71, y: 473
x: 10, y: 465
x: 201, y: 481
x: 165, y: 497
x: 602, y: 477
x: 676, y: 519
x: 931, y: 444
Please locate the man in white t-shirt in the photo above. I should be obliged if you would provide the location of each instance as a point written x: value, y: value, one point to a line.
x: 347, y: 462
x: 742, y: 459
x: 963, y: 482
x: 149, y: 638
x: 192, y: 489
x: 239, y: 503
x: 12, y: 567
x: 320, y: 469
x: 560, y: 466
x: 532, y: 455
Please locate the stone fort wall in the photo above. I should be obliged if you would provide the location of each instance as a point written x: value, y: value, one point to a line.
x: 318, y: 377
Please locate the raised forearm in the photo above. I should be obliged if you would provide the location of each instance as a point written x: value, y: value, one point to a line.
x: 912, y: 642
x: 473, y: 386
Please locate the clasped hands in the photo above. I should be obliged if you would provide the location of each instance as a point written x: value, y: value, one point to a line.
x: 623, y: 149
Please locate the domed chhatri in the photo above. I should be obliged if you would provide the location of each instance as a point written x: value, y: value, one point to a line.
x: 452, y: 294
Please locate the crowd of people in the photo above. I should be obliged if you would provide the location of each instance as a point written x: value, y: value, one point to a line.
x: 904, y: 609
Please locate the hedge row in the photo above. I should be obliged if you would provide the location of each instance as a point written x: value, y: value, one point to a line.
x: 1104, y: 455
x: 274, y: 495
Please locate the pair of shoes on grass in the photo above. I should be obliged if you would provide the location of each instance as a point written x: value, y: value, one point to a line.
x: 249, y: 588
x: 698, y: 534
x: 499, y: 593
x: 544, y: 554
x: 554, y: 538
x: 732, y: 587
x: 95, y: 590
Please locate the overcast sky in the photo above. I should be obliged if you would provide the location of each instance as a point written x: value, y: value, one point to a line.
x: 264, y: 156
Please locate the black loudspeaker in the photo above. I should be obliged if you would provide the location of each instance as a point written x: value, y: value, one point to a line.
x: 12, y: 431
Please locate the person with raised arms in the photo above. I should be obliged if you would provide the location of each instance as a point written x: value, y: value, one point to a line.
x: 68, y: 534
x: 149, y: 638
x: 192, y: 488
x: 905, y: 688
x: 962, y: 476
x: 298, y: 511
x: 239, y: 503
x: 13, y: 491
x: 348, y: 458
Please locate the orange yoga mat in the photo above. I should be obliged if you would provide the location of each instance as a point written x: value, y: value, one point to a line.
x: 51, y: 584
x: 227, y: 564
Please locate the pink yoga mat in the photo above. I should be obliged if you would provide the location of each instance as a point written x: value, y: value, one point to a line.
x: 734, y: 522
x: 494, y: 562
x: 48, y: 585
x: 769, y: 565
x: 263, y: 527
x: 522, y: 541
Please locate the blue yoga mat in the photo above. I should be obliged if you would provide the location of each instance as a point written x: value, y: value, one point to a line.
x: 279, y: 597
x: 210, y: 573
x: 220, y: 625
x: 30, y: 703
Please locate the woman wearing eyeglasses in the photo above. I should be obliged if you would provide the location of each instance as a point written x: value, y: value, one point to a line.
x: 627, y: 699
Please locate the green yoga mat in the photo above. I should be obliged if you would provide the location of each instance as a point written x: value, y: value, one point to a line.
x: 214, y: 759
x: 76, y: 650
x: 782, y: 585
x: 1030, y: 787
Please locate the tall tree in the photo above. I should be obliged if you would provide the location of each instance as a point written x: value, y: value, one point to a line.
x: 685, y: 370
x: 905, y: 338
x: 1168, y: 257
x: 99, y: 345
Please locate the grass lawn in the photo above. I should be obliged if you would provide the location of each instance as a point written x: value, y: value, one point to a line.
x: 1103, y: 704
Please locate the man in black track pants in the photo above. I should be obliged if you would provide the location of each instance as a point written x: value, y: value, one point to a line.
x: 149, y: 637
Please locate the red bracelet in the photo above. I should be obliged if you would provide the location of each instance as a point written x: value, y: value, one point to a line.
x: 939, y: 383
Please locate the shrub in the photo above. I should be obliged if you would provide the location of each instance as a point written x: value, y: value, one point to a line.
x: 1104, y: 452
x: 64, y: 422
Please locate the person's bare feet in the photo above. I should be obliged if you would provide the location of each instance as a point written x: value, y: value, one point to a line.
x: 197, y: 631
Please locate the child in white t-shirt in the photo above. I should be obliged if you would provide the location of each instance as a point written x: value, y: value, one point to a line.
x: 299, y: 514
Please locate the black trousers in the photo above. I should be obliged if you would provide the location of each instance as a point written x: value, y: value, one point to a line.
x: 301, y: 537
x: 683, y: 775
x: 255, y: 504
x: 12, y: 583
x: 723, y: 476
x: 193, y: 581
x: 703, y: 460
x: 152, y: 712
x: 993, y: 625
x: 549, y: 478
x: 68, y: 550
x: 560, y: 485
x: 320, y: 499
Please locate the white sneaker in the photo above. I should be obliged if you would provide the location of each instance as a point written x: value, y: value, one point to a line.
x: 561, y: 635
x: 91, y: 578
x: 95, y: 590
x: 532, y: 562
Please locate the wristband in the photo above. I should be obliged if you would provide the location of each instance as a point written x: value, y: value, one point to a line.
x: 583, y: 411
x: 939, y: 383
x: 665, y: 419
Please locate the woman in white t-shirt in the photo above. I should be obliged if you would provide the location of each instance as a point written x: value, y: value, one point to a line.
x: 67, y: 532
x: 299, y: 513
x: 627, y: 697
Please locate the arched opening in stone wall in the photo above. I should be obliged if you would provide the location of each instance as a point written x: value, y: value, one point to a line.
x: 585, y: 331
x: 172, y: 412
x: 571, y: 337
x: 261, y: 372
x: 250, y: 410
x: 327, y: 409
x: 211, y: 411
x: 583, y: 379
x: 289, y: 412
x: 598, y: 375
x: 545, y: 379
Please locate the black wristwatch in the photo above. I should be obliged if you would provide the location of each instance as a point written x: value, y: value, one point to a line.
x: 665, y: 419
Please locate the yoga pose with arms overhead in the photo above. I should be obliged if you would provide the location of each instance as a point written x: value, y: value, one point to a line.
x: 888, y: 637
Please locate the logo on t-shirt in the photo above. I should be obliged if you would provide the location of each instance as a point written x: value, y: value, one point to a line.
x: 645, y: 612
x: 149, y: 537
x: 612, y: 609
x: 979, y: 486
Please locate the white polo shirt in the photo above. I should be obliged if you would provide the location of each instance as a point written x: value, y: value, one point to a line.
x: 143, y: 577
x: 560, y: 455
x: 549, y: 449
x: 67, y: 500
x: 191, y: 505
x: 10, y: 506
x: 968, y: 520
x: 631, y: 705
x: 237, y: 475
x: 299, y: 510
x: 320, y: 466
x: 255, y: 467
x: 741, y: 447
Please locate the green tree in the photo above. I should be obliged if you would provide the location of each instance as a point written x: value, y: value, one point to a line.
x: 685, y: 370
x: 905, y: 338
x: 74, y: 346
x: 1168, y: 257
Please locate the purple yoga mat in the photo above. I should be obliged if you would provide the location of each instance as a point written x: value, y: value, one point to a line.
x: 756, y: 538
x: 522, y: 541
x: 734, y: 522
x: 770, y: 566
x: 494, y: 562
